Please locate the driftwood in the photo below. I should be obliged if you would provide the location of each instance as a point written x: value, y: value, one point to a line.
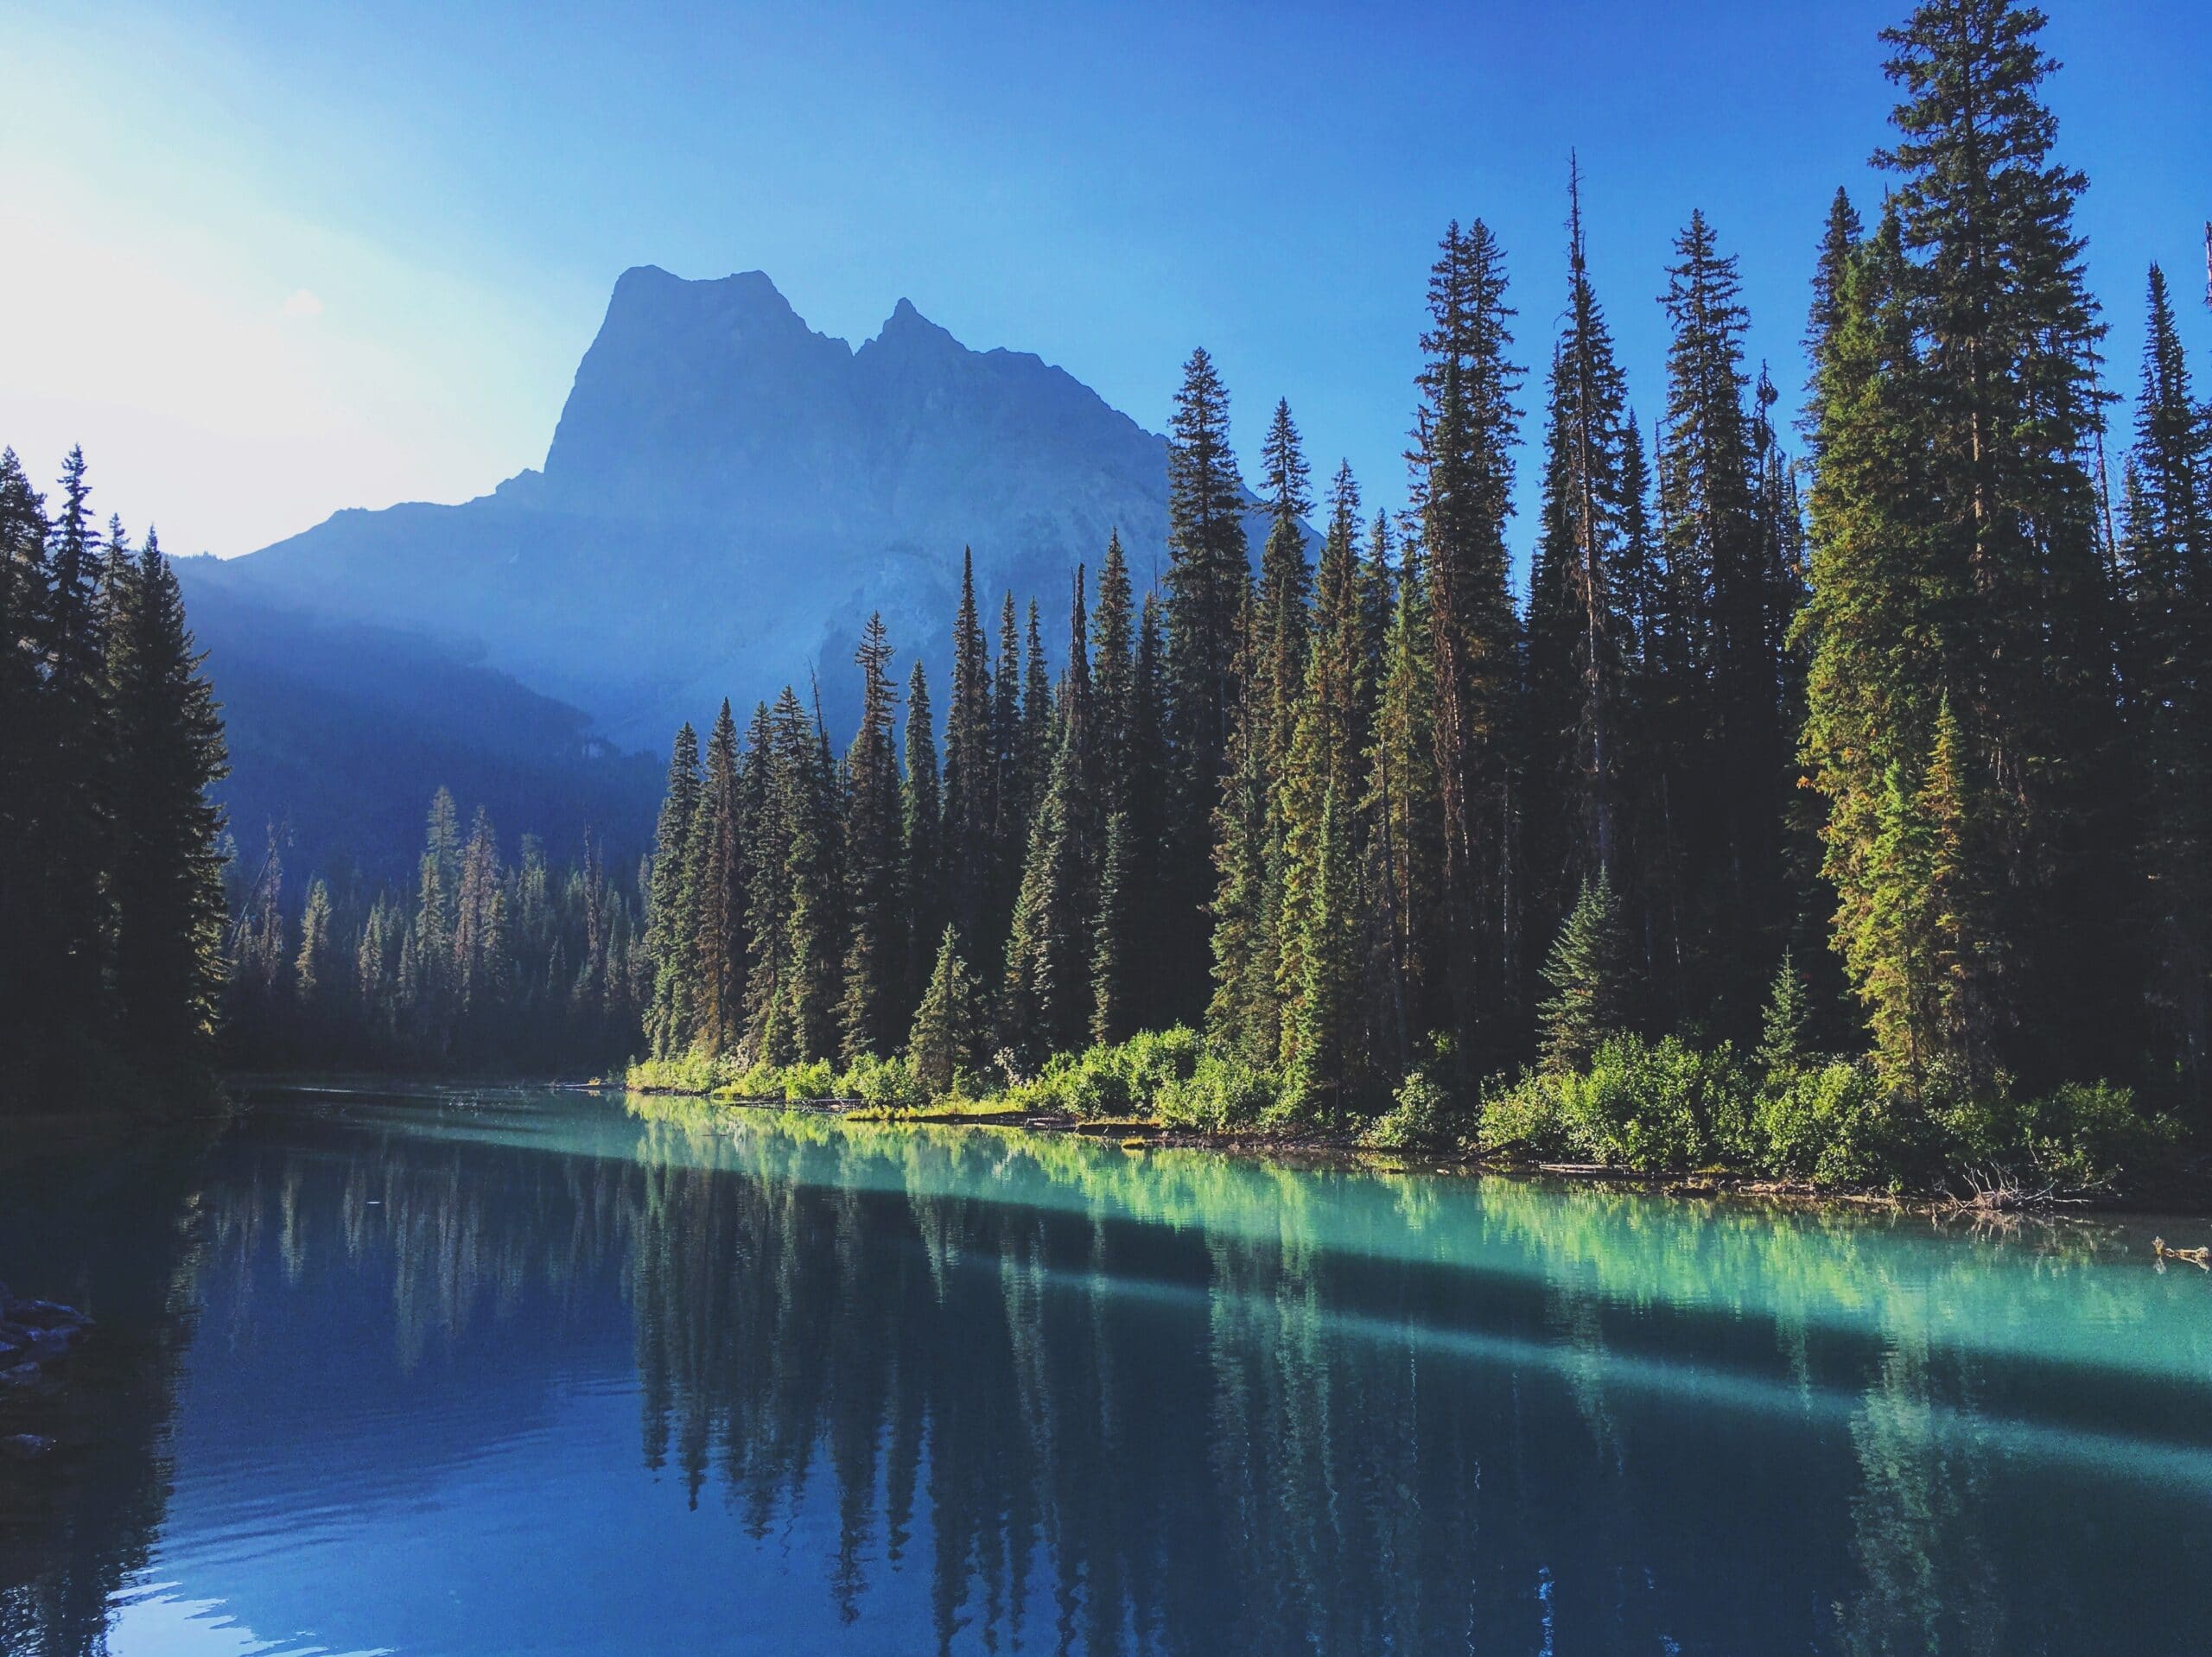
x: 2198, y: 1257
x: 1998, y: 1191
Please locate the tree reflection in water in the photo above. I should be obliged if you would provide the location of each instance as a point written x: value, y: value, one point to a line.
x: 1186, y: 1403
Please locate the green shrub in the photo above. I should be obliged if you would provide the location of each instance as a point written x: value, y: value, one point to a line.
x: 1125, y: 1079
x: 2090, y: 1135
x: 803, y: 1082
x: 1836, y: 1124
x: 2083, y: 1136
x: 1422, y: 1117
x: 1221, y: 1093
x: 1657, y: 1107
x: 883, y: 1083
x: 682, y: 1073
x: 1523, y: 1121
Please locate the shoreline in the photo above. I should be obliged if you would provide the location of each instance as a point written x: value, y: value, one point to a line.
x: 1342, y: 1150
x: 2190, y: 1196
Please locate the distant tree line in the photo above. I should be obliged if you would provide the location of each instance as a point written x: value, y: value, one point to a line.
x: 483, y: 965
x: 111, y: 868
x: 1919, y: 757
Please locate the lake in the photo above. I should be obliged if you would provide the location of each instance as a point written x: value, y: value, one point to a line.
x: 522, y: 1371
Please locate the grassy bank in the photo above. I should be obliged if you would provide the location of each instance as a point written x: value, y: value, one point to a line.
x: 1658, y: 1109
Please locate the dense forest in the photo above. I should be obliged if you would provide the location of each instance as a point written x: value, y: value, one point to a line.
x: 485, y: 965
x: 112, y: 907
x: 1889, y: 748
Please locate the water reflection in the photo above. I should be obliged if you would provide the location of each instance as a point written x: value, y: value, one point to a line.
x: 974, y: 1392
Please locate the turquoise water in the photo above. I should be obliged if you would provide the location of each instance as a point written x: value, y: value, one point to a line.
x: 536, y: 1372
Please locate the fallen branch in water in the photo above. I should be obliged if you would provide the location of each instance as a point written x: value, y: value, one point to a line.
x: 2197, y: 1257
x: 1998, y: 1191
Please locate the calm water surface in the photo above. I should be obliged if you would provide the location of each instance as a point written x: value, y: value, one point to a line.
x: 546, y: 1372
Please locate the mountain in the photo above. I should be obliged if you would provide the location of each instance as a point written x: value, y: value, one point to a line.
x: 728, y: 495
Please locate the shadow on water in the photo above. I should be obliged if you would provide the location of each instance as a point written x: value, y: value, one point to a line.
x: 113, y: 1218
x: 968, y: 1391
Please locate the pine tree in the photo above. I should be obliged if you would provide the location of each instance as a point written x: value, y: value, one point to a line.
x: 668, y: 924
x: 72, y: 813
x: 717, y: 882
x: 1208, y: 577
x: 1038, y: 740
x: 1113, y: 678
x: 1333, y: 710
x: 1404, y: 853
x: 921, y: 818
x: 1590, y: 972
x: 1839, y: 240
x: 166, y: 887
x: 1995, y: 286
x: 1933, y: 958
x: 1112, y: 962
x: 768, y: 891
x: 1321, y: 1034
x: 970, y: 767
x: 1784, y: 1025
x: 1726, y: 747
x: 2165, y: 557
x: 22, y: 605
x: 1470, y: 426
x: 805, y: 806
x: 311, y: 969
x: 875, y: 860
x: 946, y: 1041
x: 1048, y: 996
x: 1285, y: 586
x: 1574, y: 624
x: 1883, y: 593
x: 479, y: 925
x: 1244, y: 1012
x: 1011, y: 763
x: 1062, y: 975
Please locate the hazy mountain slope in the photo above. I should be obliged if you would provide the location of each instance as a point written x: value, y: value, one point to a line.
x: 340, y: 732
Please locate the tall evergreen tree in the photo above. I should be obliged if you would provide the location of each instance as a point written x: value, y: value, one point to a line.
x: 805, y: 1024
x: 874, y: 861
x: 1731, y: 753
x: 1466, y: 498
x: 72, y: 814
x: 1245, y: 1014
x: 1994, y: 284
x: 1010, y: 749
x: 1208, y: 578
x: 970, y: 767
x: 1330, y: 717
x: 1404, y: 851
x: 668, y: 925
x: 2166, y: 583
x: 718, y: 883
x: 922, y: 836
x: 1285, y: 585
x: 167, y: 886
x: 1113, y: 678
x: 1574, y: 621
x: 22, y: 605
x: 480, y: 923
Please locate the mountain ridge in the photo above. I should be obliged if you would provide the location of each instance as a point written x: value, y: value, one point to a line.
x: 727, y: 496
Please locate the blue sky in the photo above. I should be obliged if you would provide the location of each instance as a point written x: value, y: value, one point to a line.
x: 293, y: 259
